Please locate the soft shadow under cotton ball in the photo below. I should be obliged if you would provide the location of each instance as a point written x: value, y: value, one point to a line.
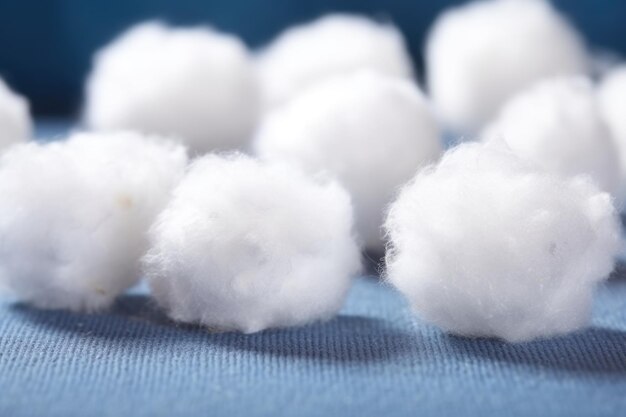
x: 479, y: 54
x: 245, y: 245
x: 192, y: 83
x: 485, y: 245
x: 371, y: 131
x: 331, y: 45
x: 15, y: 122
x: 74, y: 215
x: 557, y: 125
x: 612, y: 99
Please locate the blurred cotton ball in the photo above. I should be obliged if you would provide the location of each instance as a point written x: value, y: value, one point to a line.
x: 74, y: 215
x: 371, y: 131
x: 246, y: 246
x: 485, y: 245
x: 557, y: 125
x: 194, y: 83
x: 334, y: 44
x: 478, y: 55
x: 612, y: 99
x: 15, y: 121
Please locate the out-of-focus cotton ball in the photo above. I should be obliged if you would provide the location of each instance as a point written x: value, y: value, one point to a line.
x: 371, y: 131
x: 557, y: 125
x: 478, y: 55
x: 247, y: 246
x: 485, y: 245
x: 74, y: 215
x: 612, y: 99
x: 331, y: 45
x: 193, y: 83
x: 15, y: 122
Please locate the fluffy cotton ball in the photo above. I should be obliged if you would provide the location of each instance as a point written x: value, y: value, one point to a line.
x: 74, y: 215
x: 15, y: 121
x: 480, y: 54
x: 371, y: 131
x: 557, y: 125
x: 485, y: 245
x: 331, y: 45
x: 247, y: 246
x: 612, y: 99
x: 194, y: 83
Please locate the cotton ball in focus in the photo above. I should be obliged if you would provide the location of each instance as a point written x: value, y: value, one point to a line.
x: 193, y: 83
x: 612, y: 99
x: 246, y: 246
x: 334, y: 44
x: 557, y: 125
x: 480, y: 54
x: 74, y: 215
x: 371, y: 131
x: 15, y: 122
x: 485, y: 245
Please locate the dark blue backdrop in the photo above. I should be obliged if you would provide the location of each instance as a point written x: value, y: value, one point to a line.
x: 46, y: 45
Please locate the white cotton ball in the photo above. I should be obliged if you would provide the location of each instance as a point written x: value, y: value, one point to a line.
x: 74, y: 215
x: 485, y: 245
x: 334, y: 44
x: 371, y: 131
x: 15, y: 122
x: 245, y: 245
x: 480, y: 54
x: 557, y: 125
x: 612, y: 99
x: 193, y: 83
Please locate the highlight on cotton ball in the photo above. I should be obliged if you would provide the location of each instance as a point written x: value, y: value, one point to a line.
x: 333, y: 44
x: 15, y: 122
x: 74, y: 215
x: 612, y: 99
x: 558, y: 126
x: 480, y: 54
x: 371, y: 131
x: 193, y: 83
x: 484, y: 244
x: 245, y: 245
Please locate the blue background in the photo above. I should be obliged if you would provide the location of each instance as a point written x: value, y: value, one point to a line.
x: 46, y: 45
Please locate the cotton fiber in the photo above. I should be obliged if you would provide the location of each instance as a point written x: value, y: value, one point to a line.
x: 479, y: 54
x: 74, y: 215
x: 612, y: 99
x: 557, y: 125
x: 334, y: 44
x: 246, y: 246
x: 193, y: 83
x: 484, y: 244
x: 373, y: 132
x: 15, y: 121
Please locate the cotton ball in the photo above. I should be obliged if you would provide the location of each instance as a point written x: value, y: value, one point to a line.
x: 246, y: 246
x: 334, y: 44
x: 557, y: 125
x: 480, y: 54
x: 74, y: 215
x: 194, y: 83
x: 612, y: 99
x: 15, y: 121
x: 372, y: 131
x: 485, y: 245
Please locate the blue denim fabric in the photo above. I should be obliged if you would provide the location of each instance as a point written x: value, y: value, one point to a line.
x: 375, y: 359
x: 372, y: 360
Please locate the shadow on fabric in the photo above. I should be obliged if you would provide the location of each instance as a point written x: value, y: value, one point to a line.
x: 135, y: 319
x: 594, y: 350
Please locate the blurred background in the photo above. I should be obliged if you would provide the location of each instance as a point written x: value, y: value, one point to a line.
x: 46, y: 45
